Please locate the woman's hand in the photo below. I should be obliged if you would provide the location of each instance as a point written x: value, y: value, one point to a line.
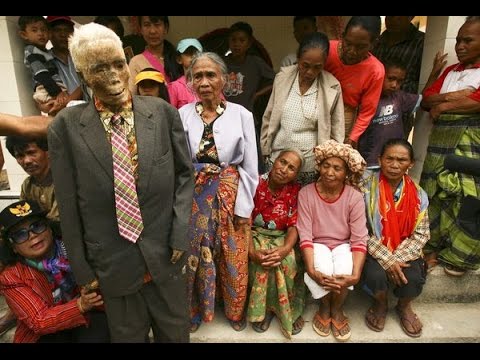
x: 88, y: 300
x: 325, y: 281
x: 345, y: 281
x: 396, y: 275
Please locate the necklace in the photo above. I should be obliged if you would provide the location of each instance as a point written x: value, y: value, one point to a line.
x: 312, y: 115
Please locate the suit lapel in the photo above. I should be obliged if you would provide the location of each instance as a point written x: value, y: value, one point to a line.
x: 145, y: 134
x: 93, y: 133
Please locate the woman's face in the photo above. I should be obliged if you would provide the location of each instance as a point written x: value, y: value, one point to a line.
x: 207, y: 79
x: 149, y: 87
x: 285, y: 169
x: 395, y: 162
x: 37, y: 246
x: 153, y: 32
x: 310, y: 64
x: 356, y: 43
x: 333, y: 172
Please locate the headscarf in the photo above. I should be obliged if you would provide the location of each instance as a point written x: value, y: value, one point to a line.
x: 355, y: 162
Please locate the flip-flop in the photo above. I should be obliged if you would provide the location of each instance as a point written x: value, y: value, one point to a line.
x: 377, y: 315
x: 339, y: 325
x: 325, y: 323
x: 404, y: 319
x: 262, y: 326
x: 194, y: 327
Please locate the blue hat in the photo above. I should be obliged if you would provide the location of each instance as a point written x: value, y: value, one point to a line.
x: 186, y: 43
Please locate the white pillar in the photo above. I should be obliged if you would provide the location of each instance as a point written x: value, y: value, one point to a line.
x: 440, y: 35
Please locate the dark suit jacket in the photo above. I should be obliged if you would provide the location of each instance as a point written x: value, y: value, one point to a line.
x: 82, y: 171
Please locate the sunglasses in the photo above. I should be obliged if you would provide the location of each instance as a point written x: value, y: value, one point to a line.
x: 22, y: 235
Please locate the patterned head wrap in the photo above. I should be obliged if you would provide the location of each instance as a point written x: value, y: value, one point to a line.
x: 355, y: 162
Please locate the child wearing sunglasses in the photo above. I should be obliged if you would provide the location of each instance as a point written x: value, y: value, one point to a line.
x: 38, y: 283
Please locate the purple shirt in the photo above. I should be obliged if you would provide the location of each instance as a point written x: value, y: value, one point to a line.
x: 386, y: 124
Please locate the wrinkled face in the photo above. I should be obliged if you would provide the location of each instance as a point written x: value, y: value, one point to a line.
x: 108, y: 74
x: 36, y: 33
x: 59, y: 34
x: 207, y: 79
x: 38, y: 245
x: 153, y: 32
x: 302, y: 28
x: 285, y: 169
x: 333, y: 172
x: 468, y: 43
x: 395, y: 162
x: 33, y: 160
x: 398, y: 23
x: 356, y: 43
x: 239, y: 42
x: 394, y: 78
x: 310, y: 64
x: 149, y: 87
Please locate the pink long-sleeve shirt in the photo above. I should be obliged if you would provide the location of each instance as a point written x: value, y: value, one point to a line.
x: 332, y: 223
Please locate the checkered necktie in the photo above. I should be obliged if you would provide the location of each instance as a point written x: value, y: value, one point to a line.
x: 129, y: 218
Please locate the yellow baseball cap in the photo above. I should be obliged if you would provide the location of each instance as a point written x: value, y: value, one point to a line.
x: 150, y: 75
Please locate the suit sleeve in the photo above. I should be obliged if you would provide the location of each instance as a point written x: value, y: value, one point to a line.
x: 184, y: 182
x: 63, y: 172
x: 264, y: 132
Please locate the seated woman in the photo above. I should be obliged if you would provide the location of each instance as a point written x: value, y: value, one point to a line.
x: 38, y: 283
x: 399, y: 229
x: 333, y: 236
x: 275, y: 271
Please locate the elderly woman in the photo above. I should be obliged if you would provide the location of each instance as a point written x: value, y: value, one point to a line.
x: 305, y: 108
x: 275, y: 274
x: 221, y: 139
x: 399, y: 229
x: 38, y: 283
x: 333, y: 235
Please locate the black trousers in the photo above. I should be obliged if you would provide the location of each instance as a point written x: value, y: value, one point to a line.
x: 374, y: 278
x: 96, y: 332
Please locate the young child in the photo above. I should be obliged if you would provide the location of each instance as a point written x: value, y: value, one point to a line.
x: 180, y: 93
x: 47, y: 84
x: 249, y: 75
x: 151, y: 82
x: 388, y: 120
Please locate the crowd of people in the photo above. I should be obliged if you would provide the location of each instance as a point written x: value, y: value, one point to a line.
x: 155, y: 198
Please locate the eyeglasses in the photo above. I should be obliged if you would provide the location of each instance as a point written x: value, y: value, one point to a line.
x: 22, y: 235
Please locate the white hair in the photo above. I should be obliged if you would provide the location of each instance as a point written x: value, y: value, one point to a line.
x: 88, y: 37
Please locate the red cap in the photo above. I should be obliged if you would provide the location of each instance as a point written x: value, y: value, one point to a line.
x: 51, y: 19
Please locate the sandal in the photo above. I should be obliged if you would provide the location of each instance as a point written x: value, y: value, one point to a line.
x: 298, y: 325
x: 238, y: 325
x: 375, y: 315
x: 404, y: 321
x: 325, y: 323
x: 338, y: 326
x: 262, y: 326
x: 454, y: 270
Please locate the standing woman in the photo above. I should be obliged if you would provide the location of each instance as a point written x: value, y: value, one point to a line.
x: 305, y: 108
x: 398, y: 230
x: 159, y: 53
x: 221, y: 139
x: 359, y: 72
